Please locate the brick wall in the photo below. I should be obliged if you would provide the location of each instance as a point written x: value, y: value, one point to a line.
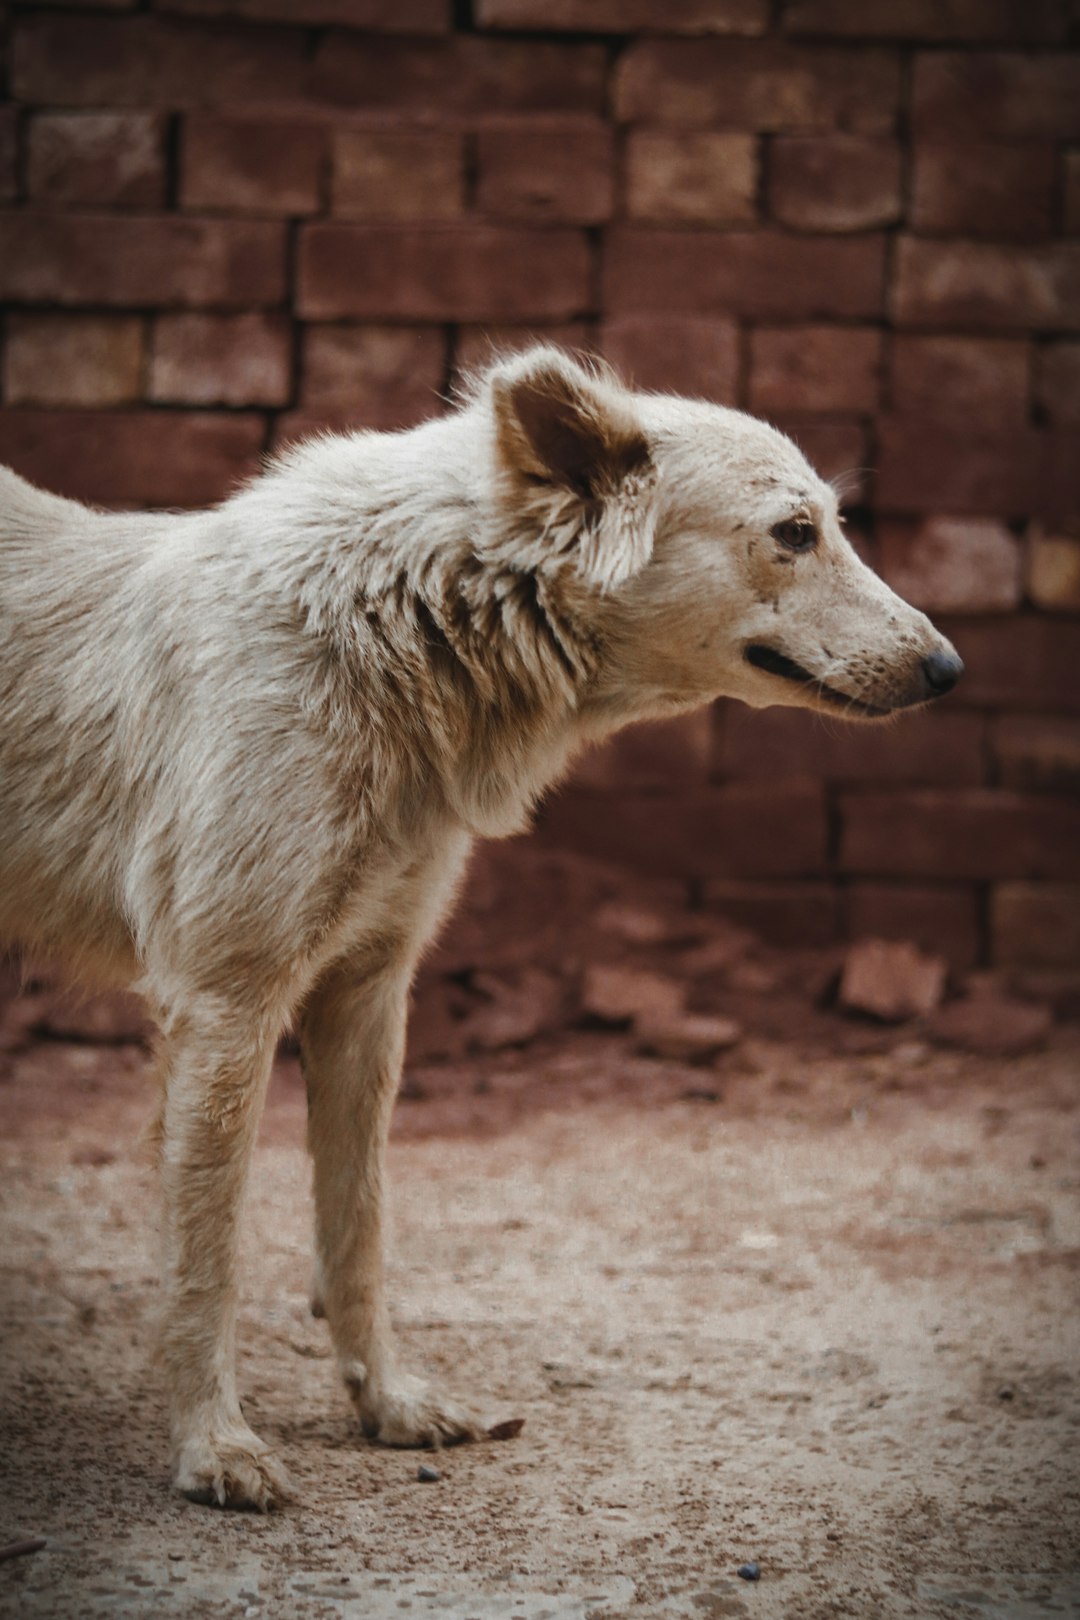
x: 230, y: 221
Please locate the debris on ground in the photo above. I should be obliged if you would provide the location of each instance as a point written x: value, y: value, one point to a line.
x: 427, y: 1475
x: 998, y: 1025
x: 621, y: 995
x: 749, y: 1572
x: 686, y: 1037
x: 891, y: 980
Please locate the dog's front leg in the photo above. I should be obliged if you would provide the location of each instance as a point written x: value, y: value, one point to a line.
x: 214, y: 1089
x: 353, y: 1043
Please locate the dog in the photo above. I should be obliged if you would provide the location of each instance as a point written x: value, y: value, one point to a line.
x: 244, y: 754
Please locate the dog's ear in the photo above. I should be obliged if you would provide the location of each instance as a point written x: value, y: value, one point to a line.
x: 563, y: 433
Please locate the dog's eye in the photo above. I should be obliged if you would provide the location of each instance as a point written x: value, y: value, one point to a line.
x: 796, y: 534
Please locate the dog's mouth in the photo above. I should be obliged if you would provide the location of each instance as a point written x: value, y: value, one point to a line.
x: 779, y: 664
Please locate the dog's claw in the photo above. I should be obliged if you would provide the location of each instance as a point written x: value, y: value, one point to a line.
x: 240, y: 1473
x: 411, y: 1412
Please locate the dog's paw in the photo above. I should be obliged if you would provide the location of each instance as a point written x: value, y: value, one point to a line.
x: 235, y: 1470
x: 407, y: 1411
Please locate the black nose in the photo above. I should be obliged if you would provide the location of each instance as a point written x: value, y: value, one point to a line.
x: 941, y: 671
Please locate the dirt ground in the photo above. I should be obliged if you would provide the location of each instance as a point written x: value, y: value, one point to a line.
x: 804, y: 1305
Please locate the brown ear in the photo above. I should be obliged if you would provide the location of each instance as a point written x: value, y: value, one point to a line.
x: 556, y: 423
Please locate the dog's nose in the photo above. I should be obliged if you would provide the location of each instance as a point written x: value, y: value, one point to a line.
x: 941, y: 671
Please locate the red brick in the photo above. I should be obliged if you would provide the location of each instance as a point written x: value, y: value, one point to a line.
x: 376, y: 16
x: 742, y: 273
x: 923, y: 466
x: 942, y: 918
x: 400, y: 174
x: 477, y: 347
x: 702, y: 177
x: 154, y: 61
x: 1057, y: 383
x: 980, y: 284
x: 550, y: 174
x: 627, y: 16
x: 664, y: 754
x: 814, y: 368
x: 251, y: 165
x: 1053, y: 570
x: 834, y: 182
x: 837, y: 448
x: 941, y: 747
x: 9, y: 153
x: 133, y: 458
x: 1072, y: 193
x: 122, y: 259
x: 467, y: 76
x: 982, y: 381
x: 1035, y: 924
x: 1036, y: 752
x: 757, y: 85
x: 483, y: 273
x: 782, y: 913
x: 73, y: 359
x: 98, y: 158
x: 961, y: 833
x: 747, y: 830
x: 393, y: 374
x: 105, y: 5
x: 1040, y: 22
x: 953, y: 565
x: 221, y: 359
x: 984, y: 189
x: 1024, y: 662
x: 676, y: 354
x: 1004, y: 95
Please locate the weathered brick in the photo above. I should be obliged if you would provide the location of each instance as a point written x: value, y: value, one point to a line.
x: 1057, y: 383
x: 942, y: 747
x: 796, y: 913
x: 1037, y: 752
x: 1003, y: 95
x: 664, y: 754
x: 960, y: 833
x: 148, y: 61
x: 987, y: 285
x: 677, y: 354
x: 925, y: 466
x: 122, y: 259
x: 546, y: 174
x: 814, y: 368
x: 1053, y: 570
x: 757, y: 85
x: 251, y: 165
x: 221, y: 359
x: 97, y: 158
x: 973, y: 21
x: 467, y: 76
x: 1035, y: 924
x: 482, y: 273
x: 742, y: 273
x: 953, y: 565
x: 984, y: 381
x: 834, y: 182
x: 940, y: 918
x: 394, y: 374
x: 476, y: 347
x: 703, y: 177
x: 399, y: 174
x: 1023, y: 662
x: 9, y: 153
x: 73, y: 359
x: 627, y: 16
x: 744, y: 830
x: 133, y: 458
x: 836, y: 447
x: 984, y: 189
x: 375, y: 16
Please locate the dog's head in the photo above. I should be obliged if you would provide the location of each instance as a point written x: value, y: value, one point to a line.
x: 714, y: 554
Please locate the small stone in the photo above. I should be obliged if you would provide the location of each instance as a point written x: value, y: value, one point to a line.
x: 427, y: 1475
x: 686, y: 1037
x: 749, y: 1572
x: 891, y: 980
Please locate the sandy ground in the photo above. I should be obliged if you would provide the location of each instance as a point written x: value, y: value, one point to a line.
x: 817, y: 1311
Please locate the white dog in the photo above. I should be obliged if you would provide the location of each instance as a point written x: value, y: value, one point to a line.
x: 244, y: 753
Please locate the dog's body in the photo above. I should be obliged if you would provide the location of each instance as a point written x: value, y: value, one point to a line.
x: 244, y: 754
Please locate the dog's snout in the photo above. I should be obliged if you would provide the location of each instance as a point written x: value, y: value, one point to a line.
x: 941, y: 671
